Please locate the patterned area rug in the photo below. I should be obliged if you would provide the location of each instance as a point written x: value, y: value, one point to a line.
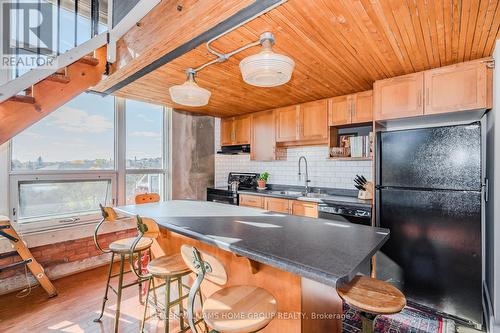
x: 410, y: 320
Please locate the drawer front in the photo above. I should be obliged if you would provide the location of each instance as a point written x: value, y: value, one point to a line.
x: 251, y: 201
x: 307, y: 209
x: 277, y: 205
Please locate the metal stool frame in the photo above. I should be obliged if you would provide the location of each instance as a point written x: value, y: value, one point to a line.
x: 108, y: 215
x: 165, y: 309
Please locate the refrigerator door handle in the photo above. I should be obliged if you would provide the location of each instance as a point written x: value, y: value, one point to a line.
x: 377, y: 208
x: 486, y: 189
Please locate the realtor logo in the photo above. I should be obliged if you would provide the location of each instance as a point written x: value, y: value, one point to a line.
x: 27, y: 34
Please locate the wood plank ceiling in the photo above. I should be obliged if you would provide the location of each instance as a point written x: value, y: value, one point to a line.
x: 339, y: 47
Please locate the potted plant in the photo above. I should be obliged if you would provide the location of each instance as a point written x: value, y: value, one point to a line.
x: 263, y: 179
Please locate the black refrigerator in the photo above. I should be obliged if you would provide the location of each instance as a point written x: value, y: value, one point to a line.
x: 429, y: 194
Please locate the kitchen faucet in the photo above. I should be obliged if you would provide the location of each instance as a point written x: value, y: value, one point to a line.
x: 307, y: 181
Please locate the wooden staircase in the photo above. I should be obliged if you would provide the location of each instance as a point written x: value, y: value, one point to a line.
x: 23, y: 110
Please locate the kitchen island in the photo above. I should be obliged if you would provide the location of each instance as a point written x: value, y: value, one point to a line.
x: 299, y: 260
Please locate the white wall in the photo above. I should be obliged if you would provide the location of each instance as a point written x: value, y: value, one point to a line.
x: 322, y: 172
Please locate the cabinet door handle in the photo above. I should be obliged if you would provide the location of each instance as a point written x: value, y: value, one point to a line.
x: 419, y: 98
x: 427, y: 97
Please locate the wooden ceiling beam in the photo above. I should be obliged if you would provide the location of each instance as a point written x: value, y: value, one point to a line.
x: 227, y: 15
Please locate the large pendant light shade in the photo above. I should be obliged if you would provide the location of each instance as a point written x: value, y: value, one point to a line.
x: 267, y: 69
x: 189, y: 93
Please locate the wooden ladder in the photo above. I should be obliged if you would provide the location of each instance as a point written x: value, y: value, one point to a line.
x: 8, y: 231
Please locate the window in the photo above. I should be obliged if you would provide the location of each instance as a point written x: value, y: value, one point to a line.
x: 77, y: 136
x: 145, y: 149
x: 68, y: 163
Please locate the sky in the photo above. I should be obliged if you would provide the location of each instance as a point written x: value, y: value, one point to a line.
x: 84, y: 129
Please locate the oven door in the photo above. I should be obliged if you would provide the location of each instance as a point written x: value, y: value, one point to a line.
x: 220, y: 198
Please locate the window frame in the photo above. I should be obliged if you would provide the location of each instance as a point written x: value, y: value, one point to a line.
x: 117, y: 175
x: 165, y: 158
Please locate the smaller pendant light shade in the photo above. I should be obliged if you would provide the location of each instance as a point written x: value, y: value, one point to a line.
x: 189, y: 93
x: 266, y: 68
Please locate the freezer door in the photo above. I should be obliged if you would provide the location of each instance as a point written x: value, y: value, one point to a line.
x: 434, y: 251
x: 439, y: 158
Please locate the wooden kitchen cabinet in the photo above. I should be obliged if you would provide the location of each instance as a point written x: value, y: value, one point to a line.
x: 277, y: 205
x: 226, y: 131
x: 286, y: 124
x: 303, y: 123
x: 242, y: 127
x: 460, y: 87
x: 313, y: 120
x: 362, y: 111
x: 303, y: 208
x: 248, y: 200
x: 351, y: 109
x: 235, y: 130
x: 399, y: 97
x: 340, y: 111
x: 263, y: 139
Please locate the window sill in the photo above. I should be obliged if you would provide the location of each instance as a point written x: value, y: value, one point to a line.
x: 66, y: 233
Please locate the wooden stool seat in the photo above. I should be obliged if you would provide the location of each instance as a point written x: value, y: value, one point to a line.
x: 372, y: 296
x: 239, y: 309
x: 168, y: 266
x: 124, y: 245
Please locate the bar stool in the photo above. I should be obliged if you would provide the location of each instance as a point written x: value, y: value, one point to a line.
x: 147, y: 198
x: 168, y: 268
x: 235, y: 309
x: 372, y: 297
x: 122, y: 248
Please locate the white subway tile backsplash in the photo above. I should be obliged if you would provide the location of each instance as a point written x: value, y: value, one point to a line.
x: 322, y: 172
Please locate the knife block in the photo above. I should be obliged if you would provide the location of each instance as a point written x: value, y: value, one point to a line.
x: 368, y: 193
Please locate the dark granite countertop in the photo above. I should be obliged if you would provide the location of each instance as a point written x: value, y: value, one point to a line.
x: 329, y: 252
x: 328, y: 195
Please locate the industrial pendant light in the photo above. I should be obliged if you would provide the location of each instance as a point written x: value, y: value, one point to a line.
x: 266, y: 68
x: 189, y: 93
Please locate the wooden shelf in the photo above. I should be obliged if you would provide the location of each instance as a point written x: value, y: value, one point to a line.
x: 350, y: 158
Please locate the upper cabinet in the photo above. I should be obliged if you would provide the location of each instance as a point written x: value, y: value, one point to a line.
x: 287, y: 123
x: 226, y: 131
x: 242, y: 127
x: 399, y: 97
x: 302, y: 123
x: 263, y: 142
x: 235, y: 130
x: 460, y: 87
x: 351, y: 109
x: 313, y: 120
x: 465, y: 86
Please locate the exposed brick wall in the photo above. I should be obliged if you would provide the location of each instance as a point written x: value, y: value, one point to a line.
x: 65, y: 252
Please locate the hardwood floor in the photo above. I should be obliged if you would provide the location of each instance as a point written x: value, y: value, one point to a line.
x: 74, y: 309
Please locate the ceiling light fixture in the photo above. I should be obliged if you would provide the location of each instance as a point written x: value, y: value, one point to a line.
x: 265, y: 69
x: 189, y: 93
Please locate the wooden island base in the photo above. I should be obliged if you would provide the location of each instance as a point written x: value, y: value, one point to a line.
x: 303, y: 305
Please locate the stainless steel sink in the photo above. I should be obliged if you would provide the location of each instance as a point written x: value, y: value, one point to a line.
x: 316, y: 195
x: 288, y: 193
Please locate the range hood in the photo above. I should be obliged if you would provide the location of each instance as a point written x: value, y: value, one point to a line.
x: 234, y: 150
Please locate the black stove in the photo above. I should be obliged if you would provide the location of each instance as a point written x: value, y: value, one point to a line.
x: 247, y: 181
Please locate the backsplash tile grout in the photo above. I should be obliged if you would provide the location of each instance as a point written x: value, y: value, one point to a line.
x: 322, y: 172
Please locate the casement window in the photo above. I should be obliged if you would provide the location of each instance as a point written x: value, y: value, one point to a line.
x: 93, y: 150
x: 145, y: 152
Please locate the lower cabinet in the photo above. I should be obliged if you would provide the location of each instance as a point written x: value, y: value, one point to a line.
x: 251, y: 201
x: 302, y: 208
x: 277, y: 205
x: 294, y: 207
